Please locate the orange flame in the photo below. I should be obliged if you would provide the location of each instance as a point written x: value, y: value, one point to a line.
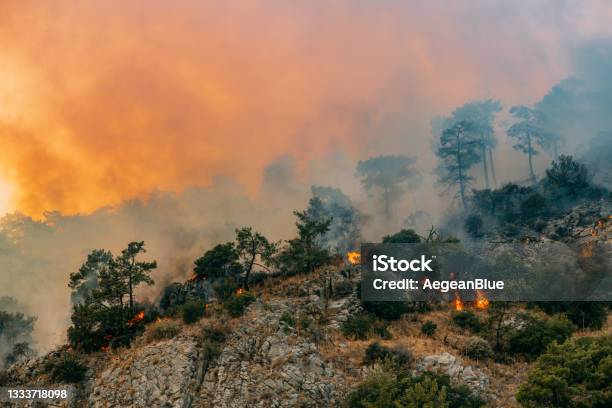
x: 481, y: 300
x: 240, y: 291
x: 353, y: 257
x: 136, y: 319
x: 458, y: 302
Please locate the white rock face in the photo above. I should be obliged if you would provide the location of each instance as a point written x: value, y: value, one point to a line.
x: 156, y: 375
x: 446, y: 363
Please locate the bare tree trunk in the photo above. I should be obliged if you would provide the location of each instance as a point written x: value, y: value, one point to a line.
x: 492, y: 164
x: 484, y: 164
x: 530, y: 154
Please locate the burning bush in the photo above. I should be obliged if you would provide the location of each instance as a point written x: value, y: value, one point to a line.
x: 237, y: 303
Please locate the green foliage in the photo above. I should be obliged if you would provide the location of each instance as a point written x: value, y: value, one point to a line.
x: 405, y: 236
x: 536, y: 334
x: 567, y: 176
x: 478, y: 348
x: 237, y: 303
x: 585, y: 315
x: 105, y: 309
x: 377, y: 353
x: 305, y: 253
x: 193, y: 311
x: 429, y: 328
x: 388, y: 387
x: 363, y: 326
x: 467, y: 320
x: 533, y: 206
x: 220, y: 261
x: 390, y: 176
x: 253, y: 249
x: 577, y: 373
x: 226, y: 287
x: 66, y: 368
x: 387, y: 310
x: 288, y: 319
x: 163, y: 329
x: 15, y: 328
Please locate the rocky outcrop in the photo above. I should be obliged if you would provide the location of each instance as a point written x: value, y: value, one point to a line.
x: 266, y: 363
x: 162, y: 374
x: 446, y: 363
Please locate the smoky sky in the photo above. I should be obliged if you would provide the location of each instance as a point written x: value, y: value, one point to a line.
x: 103, y: 101
x: 176, y: 123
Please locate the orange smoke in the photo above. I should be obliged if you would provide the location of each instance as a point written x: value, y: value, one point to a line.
x: 106, y: 101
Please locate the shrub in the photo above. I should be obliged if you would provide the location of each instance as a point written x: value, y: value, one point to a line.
x: 288, y: 319
x: 377, y: 353
x: 193, y: 311
x: 163, y: 329
x: 405, y: 236
x: 532, y: 339
x: 429, y: 328
x: 216, y: 333
x: 237, y: 303
x: 467, y: 320
x: 362, y: 326
x: 66, y: 369
x: 4, y: 378
x: 586, y: 315
x: 478, y: 348
x: 387, y: 310
x: 342, y: 289
x: 387, y: 387
x: 574, y: 374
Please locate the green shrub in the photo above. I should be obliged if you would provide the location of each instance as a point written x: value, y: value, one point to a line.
x: 429, y: 328
x: 478, y: 348
x: 386, y: 387
x: 163, y: 329
x: 474, y: 226
x: 377, y: 353
x: 585, y: 315
x: 387, y: 310
x: 574, y: 374
x: 467, y: 320
x: 193, y: 311
x: 237, y: 303
x: 66, y: 369
x: 342, y: 289
x: 533, y: 338
x: 363, y: 326
x: 288, y: 319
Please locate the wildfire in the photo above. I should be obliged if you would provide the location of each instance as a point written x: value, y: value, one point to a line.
x: 136, y: 319
x: 105, y: 349
x: 240, y: 291
x: 353, y: 257
x: 458, y: 302
x: 481, y: 300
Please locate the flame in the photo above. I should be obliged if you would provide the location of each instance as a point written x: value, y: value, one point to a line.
x: 240, y: 291
x: 353, y: 257
x: 481, y: 300
x: 136, y: 319
x: 105, y: 348
x: 458, y: 302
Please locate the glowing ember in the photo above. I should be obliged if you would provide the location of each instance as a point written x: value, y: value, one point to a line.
x: 105, y: 349
x: 136, y: 319
x: 481, y: 300
x: 240, y: 291
x: 353, y: 257
x: 458, y: 302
